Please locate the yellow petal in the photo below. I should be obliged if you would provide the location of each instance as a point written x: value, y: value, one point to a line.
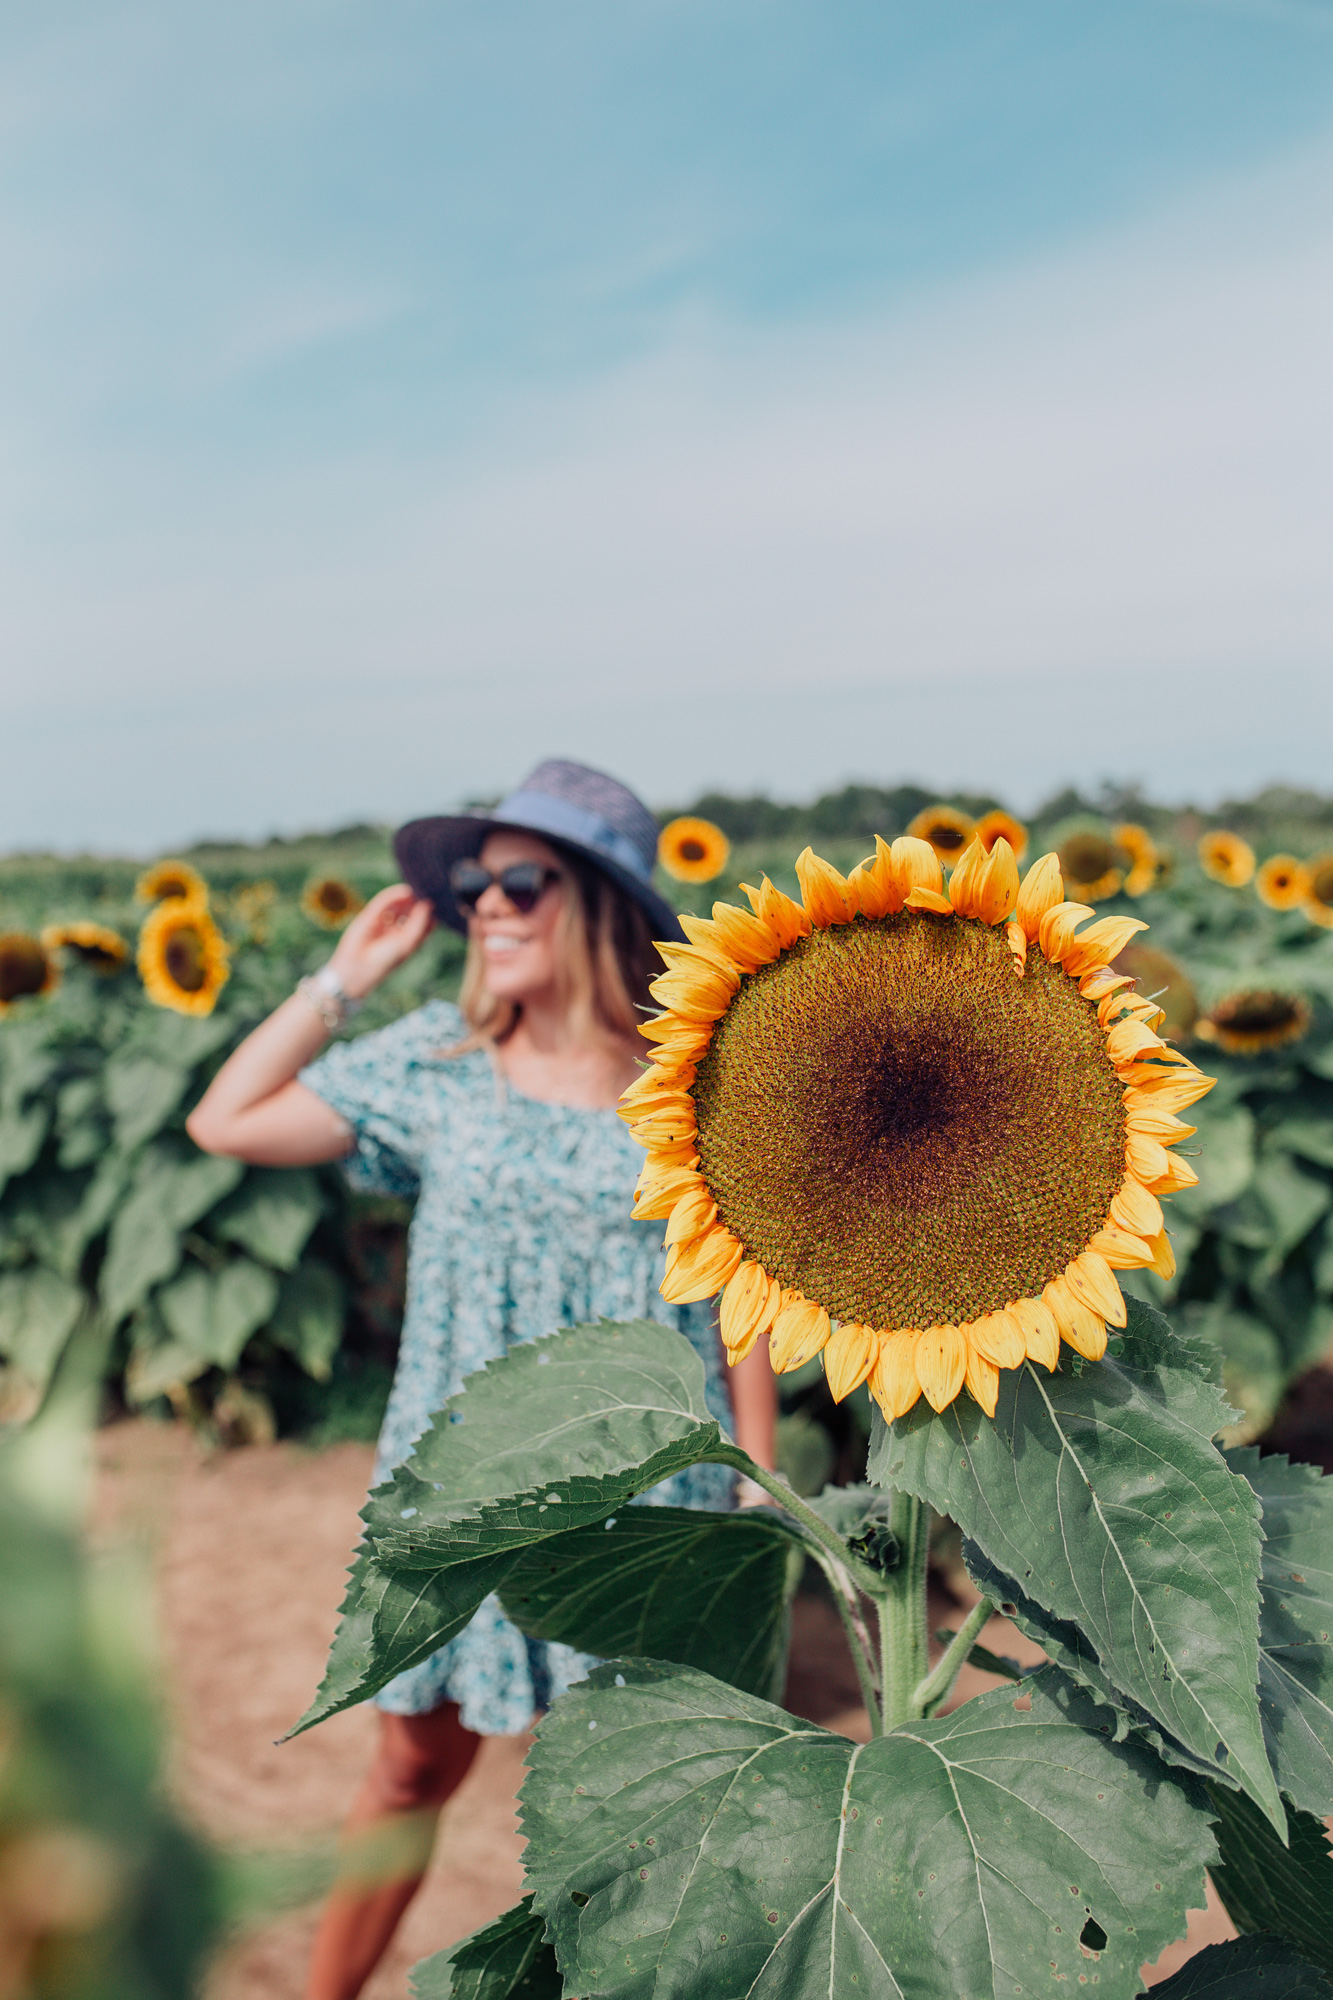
x: 941, y: 1361
x: 981, y: 1379
x: 1056, y: 934
x: 749, y: 1307
x: 665, y: 1133
x: 999, y: 1337
x: 1177, y: 1174
x: 999, y: 886
x: 786, y: 920
x: 648, y: 1083
x: 672, y: 1107
x: 1102, y: 981
x: 1144, y: 1114
x: 893, y: 1378
x: 874, y: 883
x: 659, y: 1189
x: 1018, y: 944
x: 1092, y: 1281
x: 848, y: 1359
x: 747, y: 942
x: 929, y: 899
x: 699, y: 1270
x: 1173, y: 1095
x: 1127, y: 1041
x: 1122, y: 1251
x: 1079, y: 1325
x: 693, y: 1214
x: 823, y: 890
x: 1039, y: 1330
x: 700, y: 994
x: 1043, y: 887
x: 1163, y: 1256
x: 965, y: 882
x: 1100, y: 943
x: 916, y: 865
x: 675, y: 1036
x: 799, y: 1330
x: 1146, y: 1158
x: 1134, y: 1209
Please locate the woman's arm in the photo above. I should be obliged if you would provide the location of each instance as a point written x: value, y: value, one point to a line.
x: 254, y: 1109
x: 754, y: 1403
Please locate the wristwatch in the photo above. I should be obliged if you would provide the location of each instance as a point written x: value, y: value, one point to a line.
x: 325, y: 992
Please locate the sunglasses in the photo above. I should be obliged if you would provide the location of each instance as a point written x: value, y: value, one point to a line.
x: 523, y: 883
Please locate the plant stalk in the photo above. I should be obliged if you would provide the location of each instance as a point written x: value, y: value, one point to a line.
x: 938, y: 1683
x: 862, y: 1575
x: 901, y: 1600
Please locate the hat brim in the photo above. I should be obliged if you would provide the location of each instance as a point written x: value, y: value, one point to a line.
x: 426, y: 849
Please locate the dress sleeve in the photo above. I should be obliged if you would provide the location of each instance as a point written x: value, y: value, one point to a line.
x: 370, y: 1082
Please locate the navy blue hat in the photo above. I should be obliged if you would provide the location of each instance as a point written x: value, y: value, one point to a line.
x: 578, y: 809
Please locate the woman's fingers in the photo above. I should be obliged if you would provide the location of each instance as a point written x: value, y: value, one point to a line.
x: 389, y: 929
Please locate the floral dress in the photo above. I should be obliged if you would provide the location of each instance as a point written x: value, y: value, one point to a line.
x: 522, y: 1225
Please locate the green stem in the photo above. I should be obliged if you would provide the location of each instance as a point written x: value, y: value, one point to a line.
x: 863, y: 1576
x: 901, y: 1595
x: 844, y: 1597
x: 938, y: 1683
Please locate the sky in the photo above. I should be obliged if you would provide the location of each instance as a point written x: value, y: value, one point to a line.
x: 736, y: 395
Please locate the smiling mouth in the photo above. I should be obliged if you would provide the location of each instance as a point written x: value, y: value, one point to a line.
x: 498, y: 944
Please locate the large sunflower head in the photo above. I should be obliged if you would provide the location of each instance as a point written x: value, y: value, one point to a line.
x: 1318, y: 904
x: 1282, y: 882
x: 692, y: 850
x: 27, y: 969
x: 1092, y: 865
x: 183, y: 958
x: 916, y: 1131
x: 1160, y: 979
x: 331, y: 901
x: 998, y: 825
x: 96, y: 946
x: 1140, y: 851
x: 1226, y: 858
x: 1253, y: 1019
x: 171, y: 881
x: 945, y: 829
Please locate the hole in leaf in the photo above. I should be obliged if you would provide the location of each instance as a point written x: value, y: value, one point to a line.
x: 577, y: 1897
x: 1009, y: 1610
x: 1092, y: 1935
x: 1023, y: 1703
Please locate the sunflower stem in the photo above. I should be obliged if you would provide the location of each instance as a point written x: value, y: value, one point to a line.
x: 938, y: 1683
x: 830, y: 1541
x: 858, y: 1638
x: 901, y: 1597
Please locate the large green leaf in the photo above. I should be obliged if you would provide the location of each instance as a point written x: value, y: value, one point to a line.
x: 1269, y: 1887
x: 21, y: 1136
x: 271, y: 1214
x: 142, y: 1093
x: 213, y: 1313
x: 1296, y: 1624
x: 1226, y: 1161
x: 689, y: 1839
x: 308, y: 1319
x: 1252, y: 1968
x: 1309, y: 1135
x: 1294, y: 1198
x: 667, y: 1583
x: 1101, y: 1494
x: 174, y: 1184
x: 38, y: 1310
x: 508, y: 1960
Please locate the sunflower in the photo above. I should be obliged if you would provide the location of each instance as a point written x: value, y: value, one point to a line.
x: 1253, y: 1019
x: 171, y: 881
x: 945, y: 829
x: 1283, y: 882
x: 1318, y: 904
x: 26, y: 969
x: 252, y: 902
x: 1226, y: 858
x: 692, y: 850
x: 94, y: 945
x: 917, y: 1132
x: 999, y: 825
x: 331, y: 901
x: 1140, y: 850
x: 1159, y: 978
x: 1093, y: 866
x: 182, y: 957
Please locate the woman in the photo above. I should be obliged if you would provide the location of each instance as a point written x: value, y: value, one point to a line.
x: 499, y: 1114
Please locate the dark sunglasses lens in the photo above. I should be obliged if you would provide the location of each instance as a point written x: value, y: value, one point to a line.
x: 523, y: 884
x: 469, y: 882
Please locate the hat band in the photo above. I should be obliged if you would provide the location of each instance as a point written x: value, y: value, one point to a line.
x: 546, y: 814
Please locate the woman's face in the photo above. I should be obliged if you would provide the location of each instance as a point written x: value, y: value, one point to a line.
x: 519, y: 951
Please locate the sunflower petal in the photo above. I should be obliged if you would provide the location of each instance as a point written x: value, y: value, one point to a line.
x: 916, y: 865
x: 800, y: 1329
x: 929, y: 899
x: 1134, y: 1209
x: 999, y: 1337
x: 699, y: 1270
x: 848, y: 1359
x: 1163, y: 1256
x: 1043, y: 887
x: 999, y: 885
x: 660, y: 1188
x: 1092, y: 1281
x: 694, y: 1213
x: 1176, y: 1175
x: 747, y: 942
x: 1018, y: 944
x: 1079, y: 1325
x: 749, y: 1307
x: 1056, y: 934
x: 824, y: 890
x: 893, y: 1379
x: 941, y: 1362
x: 786, y: 920
x: 1100, y: 943
x: 1122, y: 1251
x: 1040, y: 1330
x: 981, y: 1379
x: 875, y: 884
x: 965, y: 882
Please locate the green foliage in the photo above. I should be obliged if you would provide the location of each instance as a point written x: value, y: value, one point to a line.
x: 509, y: 1960
x: 1276, y: 1884
x: 1254, y: 1968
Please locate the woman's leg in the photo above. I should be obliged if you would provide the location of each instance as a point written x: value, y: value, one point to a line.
x: 386, y: 1845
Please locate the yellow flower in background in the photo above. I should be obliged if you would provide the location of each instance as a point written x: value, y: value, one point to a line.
x: 916, y: 1131
x: 1282, y: 882
x: 331, y: 901
x: 1093, y: 867
x: 27, y: 969
x: 1318, y: 903
x: 997, y: 825
x: 1159, y: 978
x: 171, y: 881
x: 945, y: 829
x: 1140, y: 851
x: 692, y: 850
x: 252, y: 903
x: 1255, y: 1018
x: 94, y: 945
x: 183, y: 959
x: 1226, y: 858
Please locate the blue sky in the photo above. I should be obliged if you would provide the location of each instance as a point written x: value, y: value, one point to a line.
x: 730, y: 394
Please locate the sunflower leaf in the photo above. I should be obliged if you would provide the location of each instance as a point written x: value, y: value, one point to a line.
x: 508, y: 1960
x: 142, y: 1093
x: 213, y: 1313
x: 709, y: 1590
x: 271, y: 1214
x: 671, y: 1819
x: 1245, y: 1969
x: 1270, y: 1887
x: 1102, y: 1495
x: 308, y: 1320
x: 38, y: 1311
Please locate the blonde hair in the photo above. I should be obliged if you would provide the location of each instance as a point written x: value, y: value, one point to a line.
x: 605, y: 957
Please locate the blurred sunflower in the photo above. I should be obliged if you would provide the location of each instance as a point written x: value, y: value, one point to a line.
x: 252, y: 902
x: 917, y: 1132
x: 331, y: 901
x: 1282, y: 882
x: 183, y: 959
x: 1140, y: 850
x: 944, y: 829
x: 1318, y: 904
x: 1253, y: 1019
x: 1226, y: 858
x: 1160, y: 979
x: 1093, y: 866
x: 692, y: 850
x: 94, y: 945
x: 27, y: 969
x: 997, y: 825
x: 171, y: 881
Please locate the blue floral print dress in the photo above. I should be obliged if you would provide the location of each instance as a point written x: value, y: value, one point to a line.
x: 522, y: 1225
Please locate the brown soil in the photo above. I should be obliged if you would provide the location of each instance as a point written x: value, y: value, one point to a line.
x: 250, y: 1549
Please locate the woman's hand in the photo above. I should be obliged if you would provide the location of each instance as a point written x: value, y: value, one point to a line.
x: 390, y: 928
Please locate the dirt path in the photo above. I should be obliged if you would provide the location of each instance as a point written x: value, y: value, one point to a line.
x: 250, y: 1549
